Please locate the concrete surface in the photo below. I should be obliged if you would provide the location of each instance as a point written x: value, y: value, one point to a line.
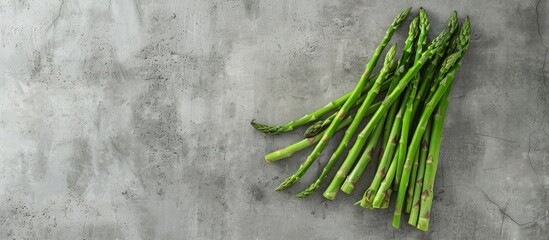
x: 130, y: 119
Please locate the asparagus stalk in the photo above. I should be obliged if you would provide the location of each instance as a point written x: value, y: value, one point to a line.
x: 331, y: 106
x: 305, y: 143
x: 386, y: 200
x: 346, y: 167
x: 385, y: 186
x: 371, y: 192
x: 414, y: 211
x: 431, y: 165
x: 423, y: 31
x: 418, y: 134
x: 410, y: 192
x: 347, y: 105
x: 461, y: 44
x: 406, y: 122
x: 386, y: 151
x: 321, y: 125
x: 388, y: 101
x: 366, y: 157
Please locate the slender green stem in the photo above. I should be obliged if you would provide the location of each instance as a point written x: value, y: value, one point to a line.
x: 305, y: 143
x: 385, y: 186
x: 387, y: 199
x: 385, y: 161
x: 360, y: 166
x: 431, y: 166
x: 406, y: 122
x: 413, y: 178
x: 414, y: 212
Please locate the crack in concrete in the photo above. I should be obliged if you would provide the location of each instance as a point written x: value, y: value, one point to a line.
x: 543, y: 44
x: 54, y: 22
x: 493, y: 168
x: 138, y: 11
x: 544, y: 83
x: 531, y: 164
x: 502, y: 210
x: 503, y: 139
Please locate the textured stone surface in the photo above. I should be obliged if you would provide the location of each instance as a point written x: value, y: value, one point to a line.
x: 130, y: 119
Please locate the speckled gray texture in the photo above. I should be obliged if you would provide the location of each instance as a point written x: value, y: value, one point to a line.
x: 130, y: 119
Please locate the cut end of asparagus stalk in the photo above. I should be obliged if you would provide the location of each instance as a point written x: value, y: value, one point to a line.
x: 396, y: 221
x: 330, y: 195
x: 413, y: 218
x: 347, y: 188
x: 387, y: 200
x: 423, y: 224
x: 275, y: 156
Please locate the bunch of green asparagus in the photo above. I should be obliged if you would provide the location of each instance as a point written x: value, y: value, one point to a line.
x: 407, y: 101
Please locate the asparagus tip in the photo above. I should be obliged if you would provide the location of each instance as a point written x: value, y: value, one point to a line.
x: 266, y: 128
x: 287, y: 183
x: 307, y: 192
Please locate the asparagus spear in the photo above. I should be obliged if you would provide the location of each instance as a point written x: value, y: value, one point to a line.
x: 410, y: 192
x: 431, y: 69
x: 386, y: 200
x: 414, y: 211
x: 385, y: 186
x: 320, y: 125
x: 371, y: 192
x: 331, y: 106
x: 431, y: 164
x: 348, y: 186
x: 388, y: 101
x: 462, y: 44
x: 406, y: 122
x: 305, y: 143
x: 418, y: 134
x: 347, y: 105
x: 366, y: 157
x: 346, y: 167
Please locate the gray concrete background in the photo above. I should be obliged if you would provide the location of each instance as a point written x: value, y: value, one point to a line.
x: 130, y: 119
